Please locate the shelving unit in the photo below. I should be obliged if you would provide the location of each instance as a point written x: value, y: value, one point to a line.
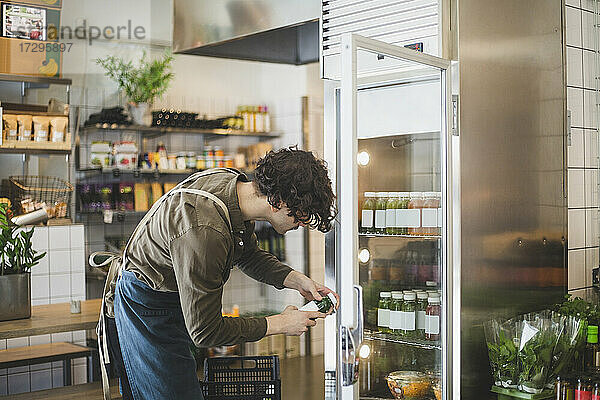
x: 390, y: 338
x: 377, y: 235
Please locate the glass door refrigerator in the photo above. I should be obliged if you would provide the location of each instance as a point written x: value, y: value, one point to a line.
x: 388, y: 131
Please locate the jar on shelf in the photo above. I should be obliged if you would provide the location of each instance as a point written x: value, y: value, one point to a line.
x: 190, y: 160
x: 432, y: 319
x: 390, y: 213
x: 415, y: 203
x: 180, y: 161
x: 420, y: 317
x: 409, y: 313
x: 367, y: 224
x: 383, y: 311
x: 200, y: 163
x: 380, y: 212
x: 396, y: 320
x: 431, y: 204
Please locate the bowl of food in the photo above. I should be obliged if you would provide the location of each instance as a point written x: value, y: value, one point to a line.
x: 409, y: 385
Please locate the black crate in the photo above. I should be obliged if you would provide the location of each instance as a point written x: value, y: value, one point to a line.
x: 242, y: 378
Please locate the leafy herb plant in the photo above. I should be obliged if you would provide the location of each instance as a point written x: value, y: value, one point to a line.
x: 141, y: 84
x: 502, y: 352
x: 535, y: 357
x: 17, y: 255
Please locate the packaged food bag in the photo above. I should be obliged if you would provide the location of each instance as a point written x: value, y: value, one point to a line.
x: 58, y: 129
x: 503, y: 343
x: 40, y: 128
x: 24, y: 122
x: 9, y: 122
x: 570, y: 343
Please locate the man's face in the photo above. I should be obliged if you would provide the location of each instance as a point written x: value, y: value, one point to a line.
x: 282, y: 222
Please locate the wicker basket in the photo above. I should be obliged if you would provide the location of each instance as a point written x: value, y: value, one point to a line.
x: 47, y: 189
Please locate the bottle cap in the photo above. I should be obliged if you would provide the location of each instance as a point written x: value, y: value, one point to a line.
x: 385, y: 294
x: 397, y: 296
x: 430, y: 194
x: 370, y: 194
x: 404, y: 194
x: 434, y: 300
x: 421, y: 295
x: 414, y: 195
x: 410, y: 296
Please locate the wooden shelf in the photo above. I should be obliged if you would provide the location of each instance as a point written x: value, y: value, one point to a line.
x: 154, y: 130
x: 31, y: 147
x: 35, y: 79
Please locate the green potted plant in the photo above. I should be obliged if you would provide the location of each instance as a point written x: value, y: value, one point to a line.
x: 141, y: 84
x: 16, y: 259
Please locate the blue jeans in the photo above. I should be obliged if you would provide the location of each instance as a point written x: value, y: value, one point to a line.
x: 154, y: 342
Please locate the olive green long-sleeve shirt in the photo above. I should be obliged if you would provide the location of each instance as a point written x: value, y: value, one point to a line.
x: 187, y: 247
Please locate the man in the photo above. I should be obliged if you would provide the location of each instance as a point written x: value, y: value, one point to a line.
x: 169, y: 293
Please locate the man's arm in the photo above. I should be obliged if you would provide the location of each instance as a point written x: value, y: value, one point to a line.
x: 199, y: 257
x: 262, y: 265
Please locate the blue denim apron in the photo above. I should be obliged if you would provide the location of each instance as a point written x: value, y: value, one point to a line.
x: 154, y: 342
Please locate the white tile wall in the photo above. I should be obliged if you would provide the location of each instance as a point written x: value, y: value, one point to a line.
x: 58, y: 278
x: 581, y: 100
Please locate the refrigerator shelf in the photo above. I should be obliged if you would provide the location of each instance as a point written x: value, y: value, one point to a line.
x: 376, y: 235
x: 420, y: 343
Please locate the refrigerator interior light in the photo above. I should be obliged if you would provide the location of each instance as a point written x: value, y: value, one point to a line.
x: 364, y: 255
x: 364, y: 351
x: 363, y: 158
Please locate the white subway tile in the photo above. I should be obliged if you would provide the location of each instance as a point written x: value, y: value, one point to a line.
x: 79, y: 336
x: 576, y: 229
x: 574, y: 67
x: 575, y: 104
x: 576, y: 188
x: 591, y: 227
x: 2, y: 344
x: 589, y: 72
x: 39, y: 302
x: 590, y: 110
x: 591, y: 262
x: 576, y: 273
x: 591, y: 148
x: 588, y: 4
x: 41, y: 380
x: 43, y: 268
x: 18, y: 383
x: 576, y: 153
x: 574, y: 3
x: 39, y: 240
x: 80, y: 361
x: 77, y: 237
x: 591, y: 188
x: 77, y: 284
x: 57, y: 377
x: 62, y: 337
x: 58, y: 237
x: 3, y: 385
x: 588, y: 30
x: 79, y: 375
x: 60, y: 286
x: 78, y: 261
x: 36, y: 340
x: 60, y: 261
x: 60, y: 299
x: 573, y: 34
x: 40, y: 287
x: 17, y: 342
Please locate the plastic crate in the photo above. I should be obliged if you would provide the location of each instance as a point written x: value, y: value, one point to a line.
x: 242, y: 378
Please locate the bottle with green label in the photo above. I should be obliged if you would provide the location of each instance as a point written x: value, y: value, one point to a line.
x: 591, y: 356
x: 383, y: 312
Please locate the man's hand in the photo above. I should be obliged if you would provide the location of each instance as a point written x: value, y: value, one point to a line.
x: 292, y: 321
x: 308, y: 288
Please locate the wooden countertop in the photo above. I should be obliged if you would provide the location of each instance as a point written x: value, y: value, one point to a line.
x: 53, y: 318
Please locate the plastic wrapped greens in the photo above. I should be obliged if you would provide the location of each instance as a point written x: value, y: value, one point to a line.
x: 570, y: 345
x: 539, y: 336
x: 502, y: 342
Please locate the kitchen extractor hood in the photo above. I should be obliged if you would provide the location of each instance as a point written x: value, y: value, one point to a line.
x: 279, y: 31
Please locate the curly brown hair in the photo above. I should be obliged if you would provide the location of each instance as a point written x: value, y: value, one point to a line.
x: 299, y: 180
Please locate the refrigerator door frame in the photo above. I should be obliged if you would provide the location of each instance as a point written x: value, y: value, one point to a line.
x: 340, y: 153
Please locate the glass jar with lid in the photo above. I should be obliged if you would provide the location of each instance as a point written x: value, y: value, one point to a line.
x: 383, y: 312
x: 390, y: 213
x: 416, y: 203
x: 403, y: 201
x: 409, y: 310
x: 380, y: 212
x: 421, y: 311
x: 396, y: 320
x: 367, y: 223
x: 432, y: 318
x: 431, y: 204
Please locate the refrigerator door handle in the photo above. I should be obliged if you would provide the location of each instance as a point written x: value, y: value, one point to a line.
x: 351, y: 339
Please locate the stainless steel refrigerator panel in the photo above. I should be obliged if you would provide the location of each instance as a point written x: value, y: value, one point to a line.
x: 512, y: 119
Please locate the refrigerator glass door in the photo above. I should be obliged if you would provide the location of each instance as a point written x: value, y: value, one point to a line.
x: 393, y: 241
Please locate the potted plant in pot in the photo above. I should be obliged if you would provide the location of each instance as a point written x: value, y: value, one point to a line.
x: 141, y: 84
x: 17, y: 256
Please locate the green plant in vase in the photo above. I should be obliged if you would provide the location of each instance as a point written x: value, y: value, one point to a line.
x: 17, y: 257
x: 141, y: 84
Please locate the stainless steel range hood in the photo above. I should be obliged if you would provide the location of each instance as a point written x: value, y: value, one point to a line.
x: 279, y: 31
